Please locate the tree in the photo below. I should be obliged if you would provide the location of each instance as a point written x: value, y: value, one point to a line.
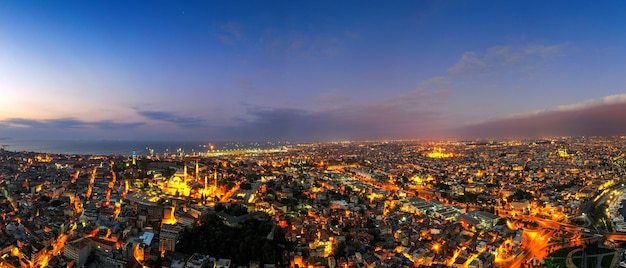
x: 521, y: 195
x: 340, y: 251
x: 242, y: 243
x: 245, y: 186
x: 44, y: 198
x: 219, y: 207
x: 169, y: 172
x: 56, y: 203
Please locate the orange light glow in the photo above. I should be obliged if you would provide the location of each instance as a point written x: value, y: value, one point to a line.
x: 438, y: 153
x: 138, y: 253
x: 170, y: 219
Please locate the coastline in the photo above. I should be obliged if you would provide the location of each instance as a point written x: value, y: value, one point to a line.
x: 118, y: 147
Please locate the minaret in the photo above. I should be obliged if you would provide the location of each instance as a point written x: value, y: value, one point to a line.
x: 185, y: 172
x: 215, y: 177
x: 197, y: 170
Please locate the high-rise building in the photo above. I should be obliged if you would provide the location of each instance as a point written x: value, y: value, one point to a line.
x: 78, y: 251
x: 168, y: 237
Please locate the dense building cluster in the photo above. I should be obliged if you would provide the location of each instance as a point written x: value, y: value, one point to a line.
x: 348, y: 204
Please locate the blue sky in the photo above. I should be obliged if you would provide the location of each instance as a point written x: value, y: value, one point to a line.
x: 301, y: 70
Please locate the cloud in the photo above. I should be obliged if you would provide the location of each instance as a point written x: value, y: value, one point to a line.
x: 181, y: 121
x: 544, y: 51
x: 303, y: 46
x: 330, y: 98
x: 409, y: 115
x: 437, y: 82
x: 228, y: 40
x: 230, y: 33
x: 66, y: 123
x: 502, y: 56
x: 108, y: 124
x: 296, y: 124
x: 601, y: 117
x: 468, y: 62
x: 613, y: 99
x: 352, y: 35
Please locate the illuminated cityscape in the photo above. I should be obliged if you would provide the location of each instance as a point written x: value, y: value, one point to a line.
x: 312, y: 133
x: 518, y: 203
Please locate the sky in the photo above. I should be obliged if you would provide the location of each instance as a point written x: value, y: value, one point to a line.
x: 311, y: 70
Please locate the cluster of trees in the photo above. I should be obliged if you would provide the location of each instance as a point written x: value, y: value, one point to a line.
x: 241, y: 244
x: 603, y: 221
x: 521, y: 195
x: 234, y: 209
x: 468, y: 197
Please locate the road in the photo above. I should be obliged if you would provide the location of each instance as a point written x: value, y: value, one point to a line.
x: 57, y: 247
x: 536, y: 243
x: 230, y: 192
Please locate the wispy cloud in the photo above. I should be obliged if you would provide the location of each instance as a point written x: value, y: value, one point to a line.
x: 468, y: 62
x: 231, y: 33
x: 435, y: 81
x: 352, y: 35
x: 544, y: 51
x: 181, y: 121
x: 328, y: 98
x: 67, y: 123
x: 472, y: 62
x: 309, y: 46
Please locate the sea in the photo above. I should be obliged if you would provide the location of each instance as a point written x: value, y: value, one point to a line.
x: 117, y: 147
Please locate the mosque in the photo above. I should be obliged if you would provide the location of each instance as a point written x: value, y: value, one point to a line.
x: 181, y: 184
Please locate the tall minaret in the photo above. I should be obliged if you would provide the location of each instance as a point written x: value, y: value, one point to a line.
x: 215, y: 177
x: 185, y: 172
x: 197, y: 170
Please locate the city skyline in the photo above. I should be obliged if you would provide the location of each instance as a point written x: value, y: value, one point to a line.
x: 310, y: 70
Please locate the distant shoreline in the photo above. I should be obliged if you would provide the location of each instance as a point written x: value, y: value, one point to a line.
x: 117, y: 147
